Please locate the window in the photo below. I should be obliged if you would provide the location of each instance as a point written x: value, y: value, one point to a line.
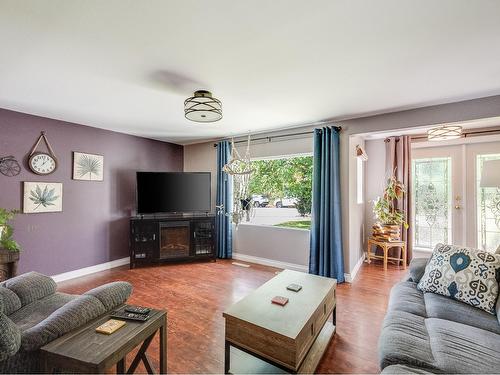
x: 281, y: 191
x: 360, y: 180
x: 432, y: 203
x: 488, y: 209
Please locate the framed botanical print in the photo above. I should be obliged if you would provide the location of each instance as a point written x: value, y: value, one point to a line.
x: 40, y: 197
x: 88, y: 167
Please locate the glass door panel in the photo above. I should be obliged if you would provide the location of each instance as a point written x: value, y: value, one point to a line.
x: 437, y: 199
x: 432, y: 203
x: 487, y: 209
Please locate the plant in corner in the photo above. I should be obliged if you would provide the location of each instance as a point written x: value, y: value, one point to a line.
x: 390, y: 219
x: 7, y: 231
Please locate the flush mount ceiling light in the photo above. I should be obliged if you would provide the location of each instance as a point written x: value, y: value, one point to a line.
x: 444, y: 133
x: 202, y: 107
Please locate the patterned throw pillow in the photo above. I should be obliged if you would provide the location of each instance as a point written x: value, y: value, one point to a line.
x: 464, y: 274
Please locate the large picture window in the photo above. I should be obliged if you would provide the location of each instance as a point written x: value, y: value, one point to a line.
x: 281, y: 190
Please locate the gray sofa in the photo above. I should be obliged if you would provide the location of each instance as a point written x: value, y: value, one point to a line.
x: 32, y: 314
x: 429, y: 333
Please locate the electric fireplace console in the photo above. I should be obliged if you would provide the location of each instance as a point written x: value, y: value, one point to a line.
x: 171, y: 238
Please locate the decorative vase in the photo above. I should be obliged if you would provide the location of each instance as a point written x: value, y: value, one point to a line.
x: 387, y: 232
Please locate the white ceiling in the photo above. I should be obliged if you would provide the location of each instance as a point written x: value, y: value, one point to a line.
x: 129, y: 65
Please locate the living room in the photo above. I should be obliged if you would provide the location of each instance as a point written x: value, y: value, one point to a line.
x: 249, y: 187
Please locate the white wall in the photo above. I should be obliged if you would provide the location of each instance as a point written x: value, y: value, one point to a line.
x: 202, y: 157
x: 278, y: 244
x: 374, y: 178
x: 354, y: 251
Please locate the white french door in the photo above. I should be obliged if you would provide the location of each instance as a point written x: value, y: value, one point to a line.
x: 438, y: 196
x: 449, y: 206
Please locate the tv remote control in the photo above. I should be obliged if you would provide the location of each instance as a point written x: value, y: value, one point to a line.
x: 137, y: 310
x: 121, y: 314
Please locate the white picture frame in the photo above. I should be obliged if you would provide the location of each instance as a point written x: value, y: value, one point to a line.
x: 42, y: 197
x: 88, y: 167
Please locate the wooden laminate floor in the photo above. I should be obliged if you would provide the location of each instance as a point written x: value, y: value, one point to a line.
x: 196, y: 294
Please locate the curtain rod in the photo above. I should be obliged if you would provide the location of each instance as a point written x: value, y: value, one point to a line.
x: 271, y: 137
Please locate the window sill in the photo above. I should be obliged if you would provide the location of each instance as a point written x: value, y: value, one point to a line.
x: 271, y: 226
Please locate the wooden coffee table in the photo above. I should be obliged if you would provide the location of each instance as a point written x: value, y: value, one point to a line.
x: 86, y: 351
x: 293, y: 337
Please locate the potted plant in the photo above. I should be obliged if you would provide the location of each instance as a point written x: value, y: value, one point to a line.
x: 9, y: 248
x: 389, y: 218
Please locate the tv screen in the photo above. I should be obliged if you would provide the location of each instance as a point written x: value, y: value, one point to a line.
x: 161, y: 192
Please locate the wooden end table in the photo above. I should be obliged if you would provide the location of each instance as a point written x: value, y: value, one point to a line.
x: 86, y: 351
x: 386, y: 246
x: 290, y: 338
x: 8, y: 264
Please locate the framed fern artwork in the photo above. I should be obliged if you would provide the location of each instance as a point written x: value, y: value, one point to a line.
x: 88, y: 167
x: 42, y: 197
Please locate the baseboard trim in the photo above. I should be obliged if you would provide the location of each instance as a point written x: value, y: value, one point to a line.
x: 349, y: 277
x: 92, y: 269
x: 270, y: 262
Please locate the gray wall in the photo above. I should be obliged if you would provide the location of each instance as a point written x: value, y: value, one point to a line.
x: 93, y: 227
x: 452, y: 112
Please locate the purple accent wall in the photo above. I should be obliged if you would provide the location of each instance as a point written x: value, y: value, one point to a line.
x: 93, y: 227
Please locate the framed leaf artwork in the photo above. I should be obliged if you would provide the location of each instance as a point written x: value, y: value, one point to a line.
x: 42, y: 197
x: 88, y: 167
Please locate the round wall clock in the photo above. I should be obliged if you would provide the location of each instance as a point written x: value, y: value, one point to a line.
x: 42, y: 163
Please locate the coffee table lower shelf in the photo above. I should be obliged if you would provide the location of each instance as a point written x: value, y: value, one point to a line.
x: 239, y: 360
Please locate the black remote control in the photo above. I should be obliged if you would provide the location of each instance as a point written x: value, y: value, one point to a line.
x: 137, y: 310
x: 121, y: 314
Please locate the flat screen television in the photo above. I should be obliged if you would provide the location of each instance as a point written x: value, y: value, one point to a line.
x: 169, y: 192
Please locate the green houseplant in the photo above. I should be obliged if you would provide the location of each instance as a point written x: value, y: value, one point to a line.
x: 7, y: 231
x: 389, y: 218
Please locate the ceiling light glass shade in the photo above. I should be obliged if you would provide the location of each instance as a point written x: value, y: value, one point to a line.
x: 202, y: 107
x: 444, y: 133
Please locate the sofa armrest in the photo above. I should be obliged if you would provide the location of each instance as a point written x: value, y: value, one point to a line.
x: 31, y: 286
x: 112, y: 295
x: 10, y: 337
x: 417, y: 269
x: 71, y: 316
x: 76, y: 313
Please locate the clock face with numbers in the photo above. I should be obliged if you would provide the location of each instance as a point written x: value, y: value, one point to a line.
x: 42, y: 163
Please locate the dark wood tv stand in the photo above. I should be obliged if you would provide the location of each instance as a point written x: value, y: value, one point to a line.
x: 171, y: 238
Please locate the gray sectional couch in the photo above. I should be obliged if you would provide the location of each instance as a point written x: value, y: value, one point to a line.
x: 429, y: 333
x: 32, y: 314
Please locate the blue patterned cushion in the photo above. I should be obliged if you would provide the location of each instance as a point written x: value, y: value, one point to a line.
x: 464, y: 274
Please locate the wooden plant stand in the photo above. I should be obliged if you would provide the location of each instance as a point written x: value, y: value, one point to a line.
x: 385, y: 246
x: 8, y: 264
